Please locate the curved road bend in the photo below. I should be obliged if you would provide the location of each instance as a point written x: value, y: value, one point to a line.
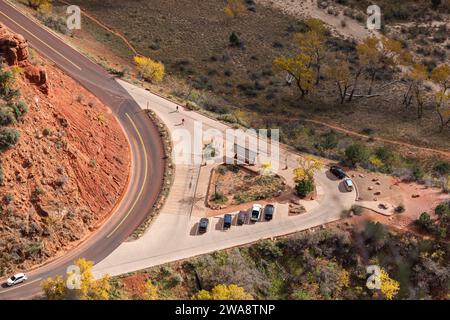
x: 147, y: 153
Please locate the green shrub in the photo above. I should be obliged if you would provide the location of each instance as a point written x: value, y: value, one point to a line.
x: 442, y: 209
x: 441, y: 232
x: 54, y: 22
x: 435, y: 4
x: 234, y: 40
x: 329, y: 140
x: 356, y: 154
x: 304, y: 187
x: 8, y: 138
x: 243, y: 197
x: 175, y: 280
x: 8, y: 198
x: 118, y: 73
x: 442, y: 167
x: 6, y: 79
x: 227, y: 118
x: 9, y: 94
x: 424, y: 221
x: 190, y: 105
x: 20, y: 109
x: 6, y: 116
x: 417, y: 172
x: 386, y: 155
x: 222, y: 170
x: 269, y: 249
x: 219, y: 197
x: 357, y: 210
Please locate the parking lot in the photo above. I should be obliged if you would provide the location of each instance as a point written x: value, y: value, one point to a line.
x: 216, y: 223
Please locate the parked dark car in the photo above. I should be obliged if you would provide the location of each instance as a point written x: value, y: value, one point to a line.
x: 227, y: 221
x: 269, y: 210
x: 338, y: 172
x: 203, y: 225
x: 242, y: 218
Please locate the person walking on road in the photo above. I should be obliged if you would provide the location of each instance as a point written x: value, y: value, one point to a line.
x: 177, y: 109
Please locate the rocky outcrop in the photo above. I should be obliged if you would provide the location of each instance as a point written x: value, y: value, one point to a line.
x: 13, y: 47
x: 37, y: 76
x: 14, y: 50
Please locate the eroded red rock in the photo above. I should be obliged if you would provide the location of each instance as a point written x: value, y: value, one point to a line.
x: 14, y: 50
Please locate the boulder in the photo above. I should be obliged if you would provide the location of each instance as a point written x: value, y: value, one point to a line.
x: 13, y: 47
x: 37, y: 76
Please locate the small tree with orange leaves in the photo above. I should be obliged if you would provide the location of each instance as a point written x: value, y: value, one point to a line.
x: 235, y: 8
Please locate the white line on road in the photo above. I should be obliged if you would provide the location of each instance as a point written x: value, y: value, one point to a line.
x: 34, y: 36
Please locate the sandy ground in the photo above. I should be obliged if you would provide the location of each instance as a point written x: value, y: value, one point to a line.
x: 415, y: 197
x: 308, y: 8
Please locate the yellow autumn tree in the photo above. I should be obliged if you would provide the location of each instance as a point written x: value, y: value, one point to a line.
x: 343, y: 281
x: 224, y: 292
x: 44, y: 6
x: 306, y: 65
x: 300, y: 69
x: 235, y: 8
x: 441, y: 77
x: 338, y: 70
x: 312, y: 43
x: 418, y: 75
x: 151, y: 291
x: 91, y: 289
x: 266, y: 167
x: 240, y: 116
x: 149, y: 69
x: 87, y: 288
x: 374, y: 54
x: 307, y: 166
x: 389, y: 286
x: 54, y: 288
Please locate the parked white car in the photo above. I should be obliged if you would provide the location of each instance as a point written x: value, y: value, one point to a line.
x: 256, y: 212
x: 16, y: 279
x: 348, y: 183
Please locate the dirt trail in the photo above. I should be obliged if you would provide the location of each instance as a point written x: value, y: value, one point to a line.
x: 102, y: 25
x: 360, y: 135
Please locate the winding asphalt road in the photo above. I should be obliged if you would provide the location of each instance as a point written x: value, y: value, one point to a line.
x: 146, y: 149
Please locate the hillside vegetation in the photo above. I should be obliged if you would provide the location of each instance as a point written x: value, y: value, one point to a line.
x: 64, y: 162
x: 323, y: 264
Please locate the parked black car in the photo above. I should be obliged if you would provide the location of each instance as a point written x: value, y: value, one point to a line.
x: 203, y: 225
x: 269, y: 210
x: 227, y: 221
x: 338, y: 172
x: 242, y: 218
